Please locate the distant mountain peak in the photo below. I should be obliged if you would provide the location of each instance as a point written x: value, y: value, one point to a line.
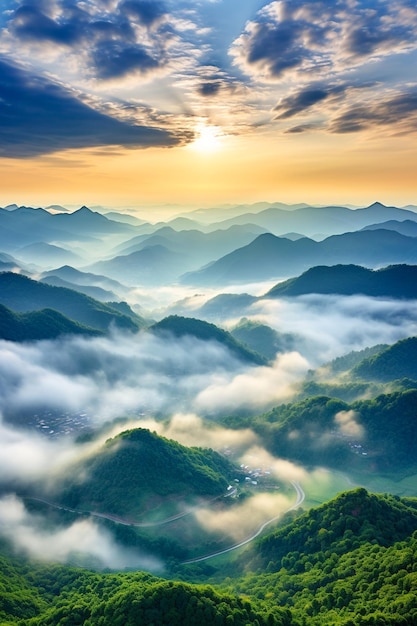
x: 376, y: 205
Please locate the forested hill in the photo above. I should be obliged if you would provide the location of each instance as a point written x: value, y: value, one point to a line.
x: 341, y: 525
x: 24, y: 294
x: 204, y: 331
x: 35, y: 595
x: 395, y: 281
x: 138, y: 468
x: 390, y: 363
x: 44, y: 324
x: 373, y: 435
x: 350, y: 562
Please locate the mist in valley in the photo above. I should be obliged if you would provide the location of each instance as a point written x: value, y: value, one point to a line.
x: 62, y: 398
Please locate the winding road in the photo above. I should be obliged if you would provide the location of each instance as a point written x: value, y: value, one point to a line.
x: 119, y: 520
x: 300, y: 499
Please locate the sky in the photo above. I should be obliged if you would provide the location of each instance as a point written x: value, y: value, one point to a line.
x: 155, y: 103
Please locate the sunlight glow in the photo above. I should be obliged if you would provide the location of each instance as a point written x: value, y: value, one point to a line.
x: 208, y: 139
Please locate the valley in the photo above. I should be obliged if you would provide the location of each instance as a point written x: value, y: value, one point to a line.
x: 219, y: 411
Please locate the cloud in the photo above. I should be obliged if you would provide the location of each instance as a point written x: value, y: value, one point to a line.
x: 347, y: 422
x: 244, y: 519
x: 114, y: 59
x: 38, y: 116
x: 190, y: 429
x: 308, y: 38
x: 112, y: 376
x: 397, y: 111
x: 329, y: 326
x: 28, y: 534
x: 284, y: 470
x: 149, y: 12
x: 256, y: 389
x: 112, y: 41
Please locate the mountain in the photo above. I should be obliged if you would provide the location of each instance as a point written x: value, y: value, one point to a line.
x: 395, y: 281
x: 225, y: 305
x: 348, y: 521
x: 137, y: 471
x: 117, y: 216
x: 23, y: 294
x: 311, y: 221
x: 405, y: 227
x: 348, y: 562
x: 262, y: 338
x: 373, y: 435
x: 269, y: 257
x: 44, y: 324
x: 200, y: 247
x: 393, y: 362
x: 47, y: 255
x: 152, y: 265
x: 25, y: 225
x: 94, y: 292
x: 72, y: 275
x: 45, y: 595
x: 204, y: 331
x: 86, y: 221
x: 8, y: 263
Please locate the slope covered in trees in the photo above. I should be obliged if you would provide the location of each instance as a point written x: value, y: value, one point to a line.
x: 36, y: 595
x: 138, y: 469
x: 392, y: 362
x: 23, y: 294
x: 395, y: 281
x: 44, y: 324
x: 188, y: 326
x: 375, y: 434
x: 349, y: 562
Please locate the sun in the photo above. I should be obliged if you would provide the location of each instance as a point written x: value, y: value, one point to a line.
x: 208, y: 139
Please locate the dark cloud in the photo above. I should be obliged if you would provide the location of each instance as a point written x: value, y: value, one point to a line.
x: 301, y: 128
x: 210, y: 88
x: 108, y: 39
x: 398, y: 112
x: 148, y: 12
x: 39, y: 117
x: 375, y: 30
x: 114, y: 59
x: 29, y: 22
x: 317, y: 36
x: 300, y: 101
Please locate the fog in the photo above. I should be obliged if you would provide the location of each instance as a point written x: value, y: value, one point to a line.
x: 83, y: 539
x: 177, y: 387
x: 124, y: 374
x: 330, y: 326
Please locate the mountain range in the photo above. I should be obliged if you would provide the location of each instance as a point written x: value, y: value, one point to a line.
x: 395, y: 281
x: 22, y: 294
x: 261, y: 422
x: 269, y: 257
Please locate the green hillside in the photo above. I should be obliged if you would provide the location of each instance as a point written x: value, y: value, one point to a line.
x: 347, y: 522
x: 393, y: 362
x: 35, y: 595
x: 45, y: 324
x: 204, y: 331
x: 396, y: 281
x: 262, y: 338
x: 378, y: 434
x: 23, y: 294
x: 349, y: 562
x: 138, y: 470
